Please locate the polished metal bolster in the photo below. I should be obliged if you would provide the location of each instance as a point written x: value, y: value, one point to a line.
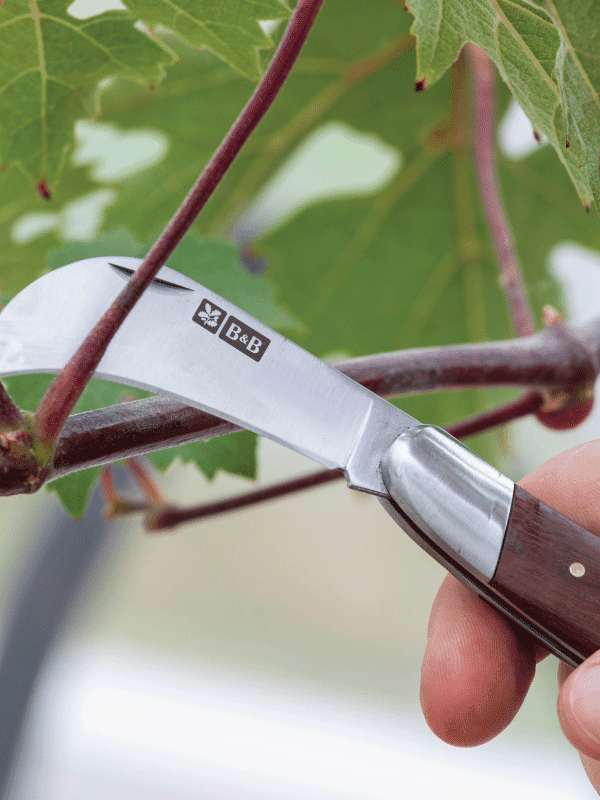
x: 458, y: 499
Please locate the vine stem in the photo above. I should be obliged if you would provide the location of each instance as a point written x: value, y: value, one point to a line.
x: 153, y: 494
x: 484, y: 154
x: 66, y: 388
x: 117, y: 504
x: 169, y: 515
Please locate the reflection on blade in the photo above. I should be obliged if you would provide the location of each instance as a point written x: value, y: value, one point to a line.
x: 201, y: 349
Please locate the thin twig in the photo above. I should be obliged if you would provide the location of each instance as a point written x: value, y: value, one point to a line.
x: 63, y: 393
x: 109, y: 490
x: 146, y: 483
x: 169, y: 516
x: 529, y: 403
x: 116, y: 504
x: 484, y: 152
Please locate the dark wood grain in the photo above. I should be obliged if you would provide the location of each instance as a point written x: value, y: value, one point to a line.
x: 534, y: 574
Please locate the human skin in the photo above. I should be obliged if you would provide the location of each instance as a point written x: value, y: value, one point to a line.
x: 478, y: 666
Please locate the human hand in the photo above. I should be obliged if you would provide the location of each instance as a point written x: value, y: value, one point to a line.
x: 478, y: 666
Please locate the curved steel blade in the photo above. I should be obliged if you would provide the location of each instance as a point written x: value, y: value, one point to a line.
x: 186, y: 341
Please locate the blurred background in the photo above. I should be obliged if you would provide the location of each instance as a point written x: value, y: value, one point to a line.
x: 271, y: 652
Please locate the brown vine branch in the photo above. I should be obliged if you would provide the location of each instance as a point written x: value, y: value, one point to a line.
x: 65, y: 390
x: 561, y: 356
x: 170, y: 515
x: 484, y: 153
x: 122, y: 431
x: 567, y: 356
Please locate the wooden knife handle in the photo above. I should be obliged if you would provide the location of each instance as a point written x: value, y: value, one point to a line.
x: 549, y: 568
x: 529, y: 561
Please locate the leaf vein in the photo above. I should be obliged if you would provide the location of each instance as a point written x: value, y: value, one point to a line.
x: 527, y: 50
x: 35, y: 13
x: 89, y: 39
x: 572, y: 52
x: 15, y: 19
x: 204, y: 25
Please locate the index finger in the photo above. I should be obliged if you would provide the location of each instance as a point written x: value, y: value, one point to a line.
x: 476, y: 670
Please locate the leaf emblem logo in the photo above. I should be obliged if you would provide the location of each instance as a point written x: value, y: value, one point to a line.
x: 209, y: 315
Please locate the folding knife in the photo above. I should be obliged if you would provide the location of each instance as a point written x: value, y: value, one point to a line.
x: 534, y: 565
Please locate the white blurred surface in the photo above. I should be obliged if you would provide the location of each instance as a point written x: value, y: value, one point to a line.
x: 111, y: 724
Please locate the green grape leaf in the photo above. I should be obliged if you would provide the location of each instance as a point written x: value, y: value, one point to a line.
x: 199, y: 100
x: 230, y: 30
x: 234, y: 453
x: 194, y: 107
x: 545, y: 52
x: 578, y: 76
x: 51, y: 65
x: 50, y: 68
x: 74, y: 491
x: 372, y: 276
x: 215, y: 264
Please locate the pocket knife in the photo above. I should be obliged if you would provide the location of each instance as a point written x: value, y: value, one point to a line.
x: 535, y: 566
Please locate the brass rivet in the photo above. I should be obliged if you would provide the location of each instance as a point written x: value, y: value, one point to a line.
x: 577, y: 570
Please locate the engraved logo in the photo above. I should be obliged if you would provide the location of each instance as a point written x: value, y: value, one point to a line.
x: 209, y: 316
x: 244, y: 338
